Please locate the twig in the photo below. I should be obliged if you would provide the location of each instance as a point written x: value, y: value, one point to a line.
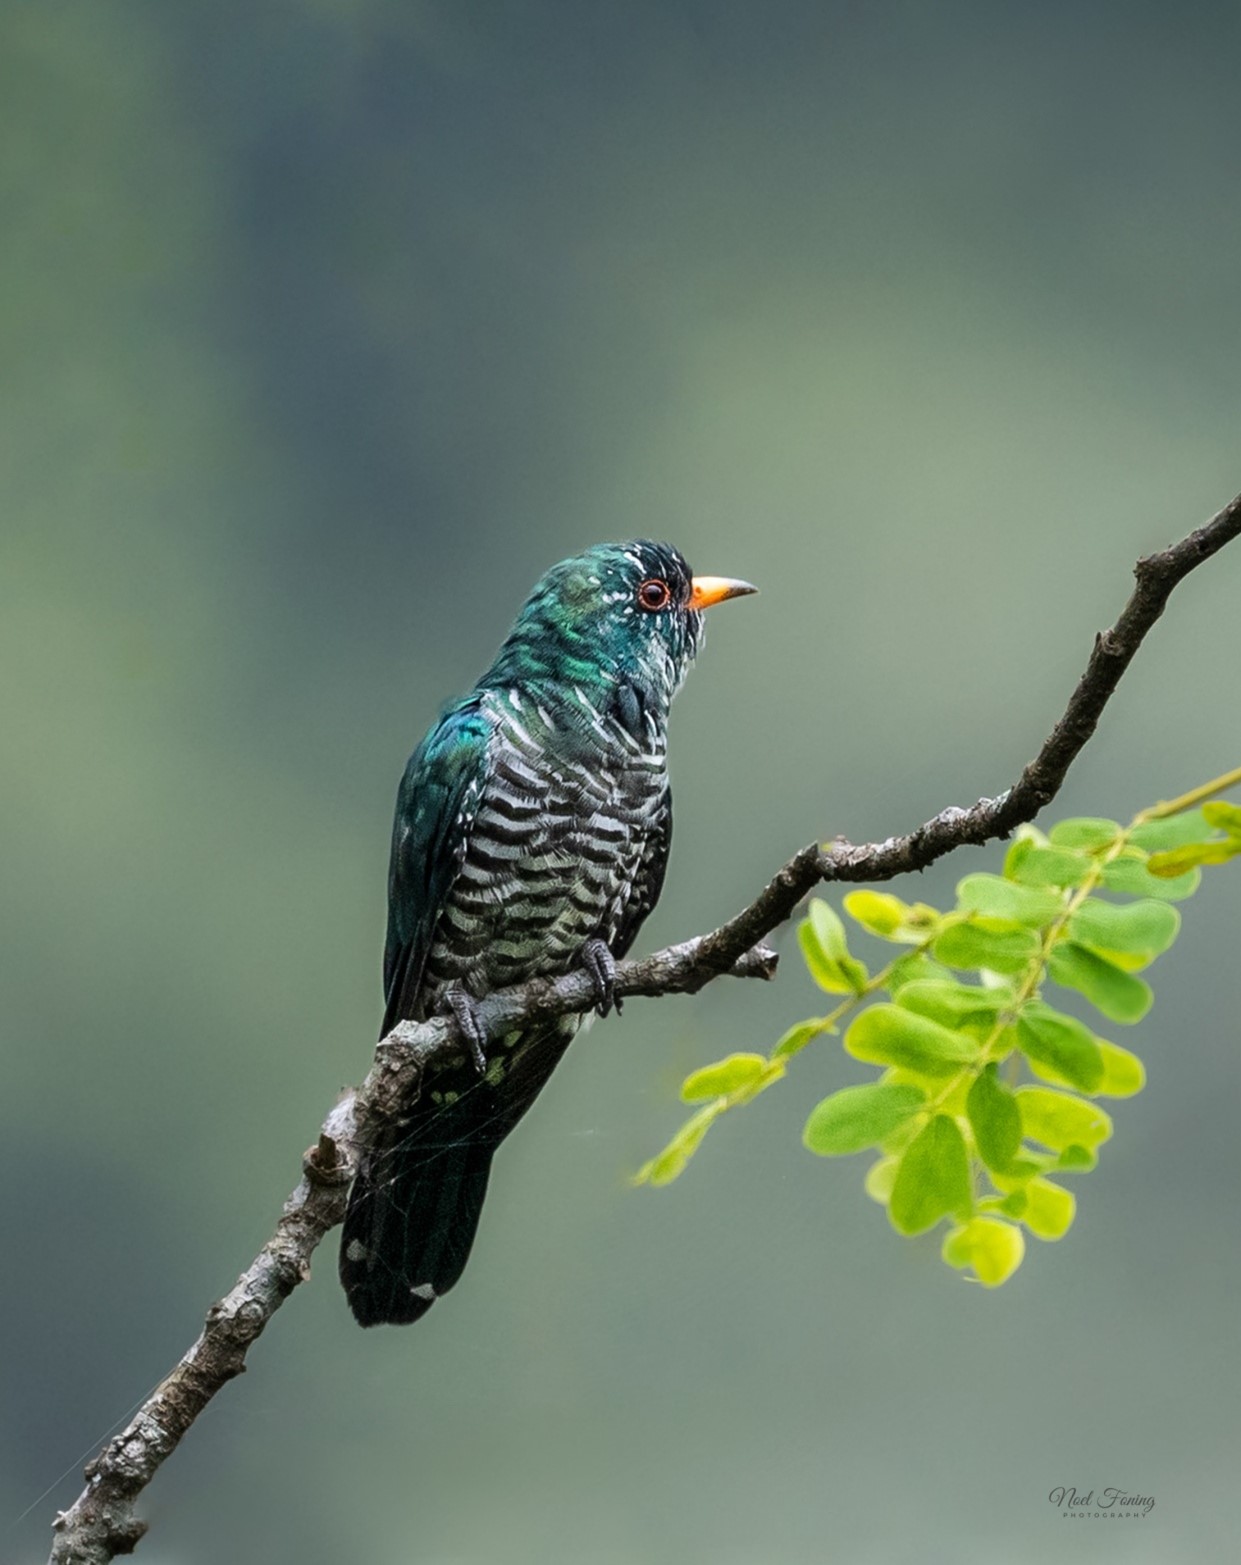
x: 101, y: 1523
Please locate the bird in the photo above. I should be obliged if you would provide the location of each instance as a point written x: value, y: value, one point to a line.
x: 530, y: 839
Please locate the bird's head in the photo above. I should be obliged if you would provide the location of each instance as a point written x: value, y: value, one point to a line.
x: 621, y: 611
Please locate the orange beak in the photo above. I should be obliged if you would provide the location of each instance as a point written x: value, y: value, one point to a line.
x: 715, y: 589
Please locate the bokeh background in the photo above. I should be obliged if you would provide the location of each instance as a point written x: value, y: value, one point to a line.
x: 325, y: 327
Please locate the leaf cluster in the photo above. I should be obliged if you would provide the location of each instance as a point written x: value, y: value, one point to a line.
x: 987, y: 1096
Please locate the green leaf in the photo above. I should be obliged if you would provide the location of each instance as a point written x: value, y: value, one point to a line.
x: 666, y: 1165
x: 1033, y: 864
x: 1144, y: 929
x: 828, y: 929
x: 1059, y: 1120
x: 933, y: 1179
x: 1130, y: 876
x: 998, y: 944
x: 876, y: 911
x: 991, y: 1247
x: 1077, y: 1159
x: 1123, y: 1073
x: 897, y: 1139
x: 915, y: 967
x: 1120, y: 996
x: 996, y: 897
x: 994, y: 1118
x: 1021, y: 1169
x: 929, y: 1082
x: 723, y: 1077
x: 797, y: 1037
x: 1177, y: 861
x: 888, y: 1034
x: 1173, y: 831
x: 859, y: 1117
x: 1049, y: 1209
x: 891, y: 919
x: 832, y: 974
x: 1088, y: 832
x: 1223, y: 816
x: 1059, y: 1047
x: 880, y: 1177
x: 951, y: 1003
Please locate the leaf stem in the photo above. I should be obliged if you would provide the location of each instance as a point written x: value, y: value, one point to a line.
x: 668, y: 1163
x: 1166, y: 807
x: 1036, y: 969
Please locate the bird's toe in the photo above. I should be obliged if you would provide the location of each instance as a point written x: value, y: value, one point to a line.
x: 465, y: 1012
x: 599, y: 962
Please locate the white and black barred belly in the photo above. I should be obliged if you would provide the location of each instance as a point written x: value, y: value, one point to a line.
x: 560, y: 848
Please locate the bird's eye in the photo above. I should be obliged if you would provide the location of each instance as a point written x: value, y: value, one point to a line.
x: 654, y: 594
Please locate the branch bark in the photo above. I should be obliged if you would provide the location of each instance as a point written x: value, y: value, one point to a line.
x: 102, y: 1523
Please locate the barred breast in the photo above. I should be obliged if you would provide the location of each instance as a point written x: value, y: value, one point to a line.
x: 565, y: 818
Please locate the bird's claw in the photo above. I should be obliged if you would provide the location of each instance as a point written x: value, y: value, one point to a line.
x: 599, y: 962
x: 465, y: 1012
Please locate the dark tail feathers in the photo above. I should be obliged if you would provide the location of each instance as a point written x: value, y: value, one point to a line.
x: 414, y: 1208
x: 411, y: 1220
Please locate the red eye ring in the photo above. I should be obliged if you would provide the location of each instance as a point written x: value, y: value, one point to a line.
x: 654, y: 594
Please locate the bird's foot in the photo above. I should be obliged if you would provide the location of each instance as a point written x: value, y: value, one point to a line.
x: 465, y: 1012
x: 599, y: 962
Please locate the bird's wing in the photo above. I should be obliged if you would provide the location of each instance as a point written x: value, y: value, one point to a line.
x: 649, y: 880
x: 435, y: 808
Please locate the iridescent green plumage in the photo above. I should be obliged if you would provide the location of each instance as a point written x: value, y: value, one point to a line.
x: 532, y: 824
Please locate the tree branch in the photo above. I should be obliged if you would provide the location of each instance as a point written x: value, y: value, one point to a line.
x: 101, y: 1523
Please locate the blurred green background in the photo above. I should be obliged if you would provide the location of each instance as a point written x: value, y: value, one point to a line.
x: 325, y: 328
